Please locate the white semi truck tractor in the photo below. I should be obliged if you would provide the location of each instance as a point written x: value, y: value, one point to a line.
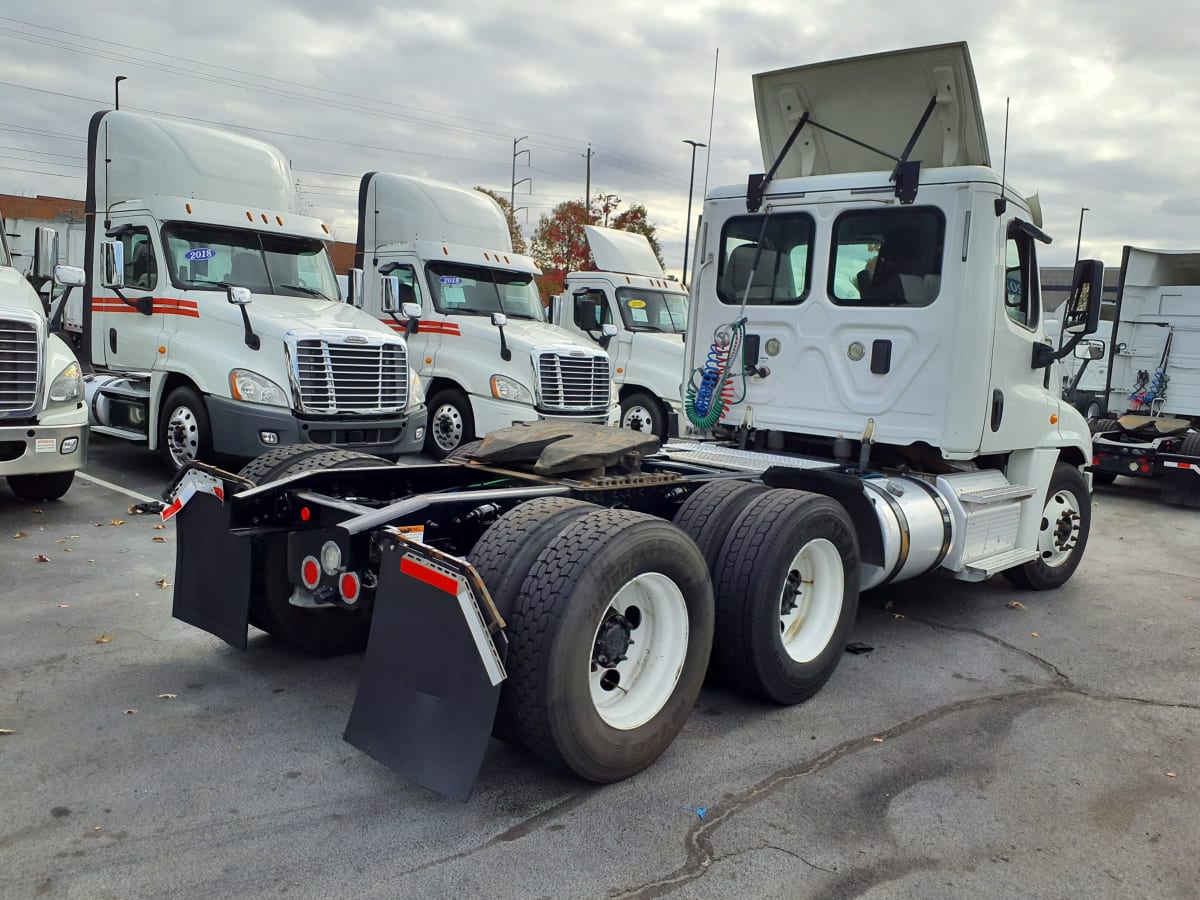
x: 478, y: 335
x: 867, y: 365
x: 43, y: 420
x: 631, y: 293
x: 212, y: 317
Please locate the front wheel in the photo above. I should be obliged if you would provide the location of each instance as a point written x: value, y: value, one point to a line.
x: 451, y: 423
x: 608, y: 644
x: 641, y: 412
x: 184, y: 433
x: 1062, y: 533
x: 36, y: 488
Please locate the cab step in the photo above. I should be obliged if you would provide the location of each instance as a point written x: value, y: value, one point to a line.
x: 990, y: 565
x: 126, y: 433
x: 984, y: 496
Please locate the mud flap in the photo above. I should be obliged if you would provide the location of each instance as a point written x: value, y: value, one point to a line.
x: 212, y: 570
x: 431, y: 678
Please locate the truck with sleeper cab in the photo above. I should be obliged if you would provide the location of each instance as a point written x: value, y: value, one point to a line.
x: 867, y: 366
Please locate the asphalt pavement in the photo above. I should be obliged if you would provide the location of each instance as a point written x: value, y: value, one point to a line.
x: 1046, y: 749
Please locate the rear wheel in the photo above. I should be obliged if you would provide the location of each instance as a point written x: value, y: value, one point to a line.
x: 451, y: 423
x: 708, y: 514
x: 608, y: 643
x: 1062, y: 534
x: 36, y: 488
x: 787, y: 594
x: 324, y: 631
x: 1100, y: 426
x: 1190, y: 445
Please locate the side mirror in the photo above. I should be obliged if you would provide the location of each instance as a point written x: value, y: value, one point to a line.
x: 69, y: 276
x: 1082, y: 314
x: 390, y: 293
x: 1089, y: 350
x: 240, y: 296
x: 45, y: 252
x: 113, y: 273
x: 499, y: 320
x: 354, y: 287
x: 410, y: 310
x: 609, y: 330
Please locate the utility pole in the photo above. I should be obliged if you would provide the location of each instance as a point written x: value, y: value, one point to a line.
x: 512, y: 197
x: 687, y: 231
x: 587, y: 191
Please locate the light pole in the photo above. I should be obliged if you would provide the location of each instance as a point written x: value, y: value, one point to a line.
x: 1079, y: 238
x: 117, y: 90
x: 687, y: 232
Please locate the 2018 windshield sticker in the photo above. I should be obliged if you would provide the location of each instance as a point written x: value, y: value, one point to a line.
x: 200, y: 253
x: 450, y: 279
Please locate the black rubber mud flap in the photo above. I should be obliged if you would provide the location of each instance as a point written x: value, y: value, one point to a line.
x: 431, y: 679
x: 212, y: 571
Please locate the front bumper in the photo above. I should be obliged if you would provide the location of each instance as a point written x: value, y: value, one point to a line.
x: 238, y: 430
x: 38, y: 449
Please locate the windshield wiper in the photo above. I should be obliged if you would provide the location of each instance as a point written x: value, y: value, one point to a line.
x: 305, y: 289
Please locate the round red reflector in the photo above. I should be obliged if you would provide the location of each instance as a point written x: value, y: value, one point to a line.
x: 310, y: 572
x: 349, y: 586
x: 305, y: 514
x: 1145, y: 468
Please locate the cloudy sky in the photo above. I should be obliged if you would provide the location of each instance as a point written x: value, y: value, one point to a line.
x: 1105, y: 95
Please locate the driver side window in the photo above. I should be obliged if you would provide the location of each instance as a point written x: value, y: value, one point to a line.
x: 1022, y: 299
x: 141, y: 268
x: 410, y: 285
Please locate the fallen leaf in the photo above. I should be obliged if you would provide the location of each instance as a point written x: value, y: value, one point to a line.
x: 73, y: 537
x: 1015, y: 604
x: 877, y: 740
x: 91, y: 561
x: 1170, y: 774
x: 99, y: 524
x: 21, y: 534
x: 1190, y: 598
x: 7, y: 731
x: 163, y: 583
x: 37, y: 512
x: 167, y: 696
x: 158, y: 539
x: 897, y: 615
x: 131, y: 712
x: 60, y: 540
x: 41, y: 557
x: 67, y: 550
x: 98, y: 828
x: 104, y: 639
x: 64, y: 606
x: 117, y: 522
x: 1034, y: 634
x: 159, y: 527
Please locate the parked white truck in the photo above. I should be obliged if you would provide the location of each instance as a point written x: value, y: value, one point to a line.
x: 43, y: 420
x: 1152, y: 390
x: 480, y: 342
x: 870, y: 367
x: 630, y: 292
x: 212, y: 316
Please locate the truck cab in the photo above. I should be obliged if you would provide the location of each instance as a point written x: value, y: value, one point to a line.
x: 43, y: 421
x: 630, y: 292
x: 212, y: 316
x: 479, y: 336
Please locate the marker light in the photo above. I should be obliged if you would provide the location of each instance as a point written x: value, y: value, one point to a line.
x: 310, y: 572
x: 349, y: 586
x: 331, y: 557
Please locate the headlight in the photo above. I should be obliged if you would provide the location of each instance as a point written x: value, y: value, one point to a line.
x: 254, y: 388
x: 416, y: 390
x: 68, y: 386
x: 505, y: 388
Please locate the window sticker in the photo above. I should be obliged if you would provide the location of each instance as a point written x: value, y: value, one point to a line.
x: 450, y: 279
x: 200, y: 253
x: 637, y: 304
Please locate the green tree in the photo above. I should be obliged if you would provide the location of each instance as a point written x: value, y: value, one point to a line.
x: 518, y: 239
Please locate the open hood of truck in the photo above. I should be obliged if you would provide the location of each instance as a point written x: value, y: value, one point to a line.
x: 879, y: 100
x: 626, y: 252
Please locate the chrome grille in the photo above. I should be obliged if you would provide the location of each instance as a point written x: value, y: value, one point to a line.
x: 572, y: 383
x: 20, y: 350
x: 339, y: 377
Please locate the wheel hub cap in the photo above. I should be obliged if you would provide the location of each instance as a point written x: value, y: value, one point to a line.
x: 612, y: 642
x: 1061, y: 523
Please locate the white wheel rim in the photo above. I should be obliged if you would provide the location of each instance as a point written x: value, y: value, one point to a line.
x: 183, y: 436
x: 1059, y: 534
x: 1093, y: 411
x: 632, y: 691
x: 638, y: 418
x: 810, y: 603
x: 447, y: 427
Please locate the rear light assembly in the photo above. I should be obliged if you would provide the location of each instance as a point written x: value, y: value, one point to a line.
x: 310, y: 572
x: 350, y: 587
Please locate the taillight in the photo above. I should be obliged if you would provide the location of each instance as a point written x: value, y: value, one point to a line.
x: 310, y: 572
x: 350, y: 586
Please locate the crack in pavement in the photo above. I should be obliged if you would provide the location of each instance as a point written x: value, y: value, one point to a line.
x: 1061, y: 678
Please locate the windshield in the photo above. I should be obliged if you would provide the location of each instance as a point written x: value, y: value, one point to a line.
x: 480, y: 291
x: 643, y: 310
x: 206, y: 258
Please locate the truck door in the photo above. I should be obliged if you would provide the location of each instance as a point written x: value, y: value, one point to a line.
x: 1019, y: 404
x: 427, y: 340
x: 124, y: 337
x: 588, y: 310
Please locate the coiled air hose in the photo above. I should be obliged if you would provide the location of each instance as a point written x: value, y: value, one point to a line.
x: 709, y: 397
